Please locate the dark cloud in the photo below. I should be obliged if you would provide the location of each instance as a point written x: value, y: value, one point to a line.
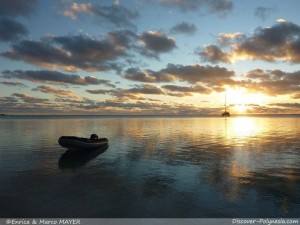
x: 286, y: 105
x: 185, y: 90
x: 100, y: 91
x: 11, y: 30
x: 24, y: 103
x: 53, y: 90
x: 214, y: 54
x: 29, y: 99
x: 259, y: 74
x: 183, y: 28
x: 213, y: 6
x: 157, y: 42
x: 131, y: 107
x: 148, y: 76
x: 273, y: 83
x: 20, y: 103
x: 72, y: 53
x: 54, y: 77
x: 131, y: 93
x: 8, y: 99
x: 148, y: 89
x: 263, y: 12
x: 9, y: 83
x: 14, y: 8
x: 82, y: 52
x: 209, y: 75
x: 115, y: 13
x: 279, y: 42
x: 199, y: 74
x: 152, y: 108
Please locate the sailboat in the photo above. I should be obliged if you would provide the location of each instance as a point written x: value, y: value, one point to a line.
x: 225, y: 113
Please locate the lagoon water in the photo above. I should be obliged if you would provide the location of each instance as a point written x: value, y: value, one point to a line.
x: 155, y: 167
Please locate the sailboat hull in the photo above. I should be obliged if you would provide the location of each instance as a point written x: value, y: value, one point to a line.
x: 226, y: 114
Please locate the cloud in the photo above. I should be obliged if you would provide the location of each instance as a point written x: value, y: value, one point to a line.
x: 72, y: 53
x: 8, y: 99
x: 281, y: 20
x: 286, y: 105
x: 12, y: 8
x: 275, y: 108
x: 213, y: 6
x: 11, y: 30
x: 29, y: 99
x: 230, y: 38
x: 9, y: 83
x: 19, y: 103
x: 183, y: 28
x: 82, y: 52
x: 280, y: 42
x: 182, y: 91
x: 148, y: 76
x: 151, y: 108
x: 209, y: 75
x: 77, y: 9
x: 54, y: 77
x: 199, y: 74
x: 99, y: 91
x: 131, y: 93
x: 262, y: 12
x: 273, y: 83
x: 213, y: 54
x: 115, y: 13
x: 53, y: 90
x: 155, y: 43
x: 148, y: 89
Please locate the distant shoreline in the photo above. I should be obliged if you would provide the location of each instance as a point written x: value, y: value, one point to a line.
x: 152, y: 116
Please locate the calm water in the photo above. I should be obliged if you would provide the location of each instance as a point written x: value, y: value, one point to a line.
x: 154, y: 167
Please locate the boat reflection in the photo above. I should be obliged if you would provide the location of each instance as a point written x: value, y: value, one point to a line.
x: 78, y: 158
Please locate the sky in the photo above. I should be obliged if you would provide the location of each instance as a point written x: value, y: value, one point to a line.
x: 149, y: 57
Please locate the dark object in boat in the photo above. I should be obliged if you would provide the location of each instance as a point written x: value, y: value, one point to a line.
x: 77, y: 143
x: 76, y: 159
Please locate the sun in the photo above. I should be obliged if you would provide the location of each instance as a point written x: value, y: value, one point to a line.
x: 241, y: 108
x: 241, y: 101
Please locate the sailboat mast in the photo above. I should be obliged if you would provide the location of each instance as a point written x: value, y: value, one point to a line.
x: 225, y: 102
x: 225, y: 113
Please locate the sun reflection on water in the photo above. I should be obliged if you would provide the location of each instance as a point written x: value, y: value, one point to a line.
x: 169, y: 163
x: 244, y: 126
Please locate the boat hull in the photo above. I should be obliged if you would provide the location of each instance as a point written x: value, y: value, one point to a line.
x: 75, y: 143
x: 226, y: 114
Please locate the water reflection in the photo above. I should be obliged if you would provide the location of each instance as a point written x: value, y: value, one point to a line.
x: 244, y: 127
x: 234, y: 160
x: 156, y: 167
x: 157, y: 186
x: 78, y: 158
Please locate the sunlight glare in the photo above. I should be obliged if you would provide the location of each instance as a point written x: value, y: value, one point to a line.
x: 244, y: 127
x: 241, y: 100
